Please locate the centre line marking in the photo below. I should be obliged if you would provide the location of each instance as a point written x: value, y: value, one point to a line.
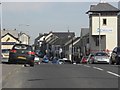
x: 98, y: 68
x: 113, y: 73
x: 86, y: 66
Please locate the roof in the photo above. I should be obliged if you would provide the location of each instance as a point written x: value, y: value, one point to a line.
x: 60, y: 41
x: 64, y: 34
x: 84, y: 31
x: 12, y: 32
x: 74, y: 40
x: 11, y: 36
x: 62, y: 37
x: 103, y: 7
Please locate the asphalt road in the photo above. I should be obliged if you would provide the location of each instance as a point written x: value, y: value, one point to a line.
x: 64, y: 76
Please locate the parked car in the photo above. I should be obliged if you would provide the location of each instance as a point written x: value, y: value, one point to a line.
x: 61, y: 61
x: 22, y: 53
x: 55, y: 60
x: 115, y: 56
x: 5, y: 53
x: 68, y: 62
x: 39, y: 53
x: 90, y: 58
x: 84, y: 59
x: 45, y: 59
x: 36, y: 60
x: 100, y: 57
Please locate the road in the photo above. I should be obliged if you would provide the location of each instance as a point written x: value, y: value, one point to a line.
x: 64, y: 76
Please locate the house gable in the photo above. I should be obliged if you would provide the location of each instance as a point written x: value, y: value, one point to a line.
x: 9, y: 38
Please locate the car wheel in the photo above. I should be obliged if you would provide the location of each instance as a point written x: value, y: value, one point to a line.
x: 25, y: 65
x: 38, y: 62
x: 10, y: 61
x: 117, y: 61
x: 111, y: 61
x: 32, y: 64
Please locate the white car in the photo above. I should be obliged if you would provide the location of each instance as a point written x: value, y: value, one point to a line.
x: 101, y: 57
x: 5, y: 53
x: 36, y: 60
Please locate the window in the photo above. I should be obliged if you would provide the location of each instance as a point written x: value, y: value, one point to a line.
x: 97, y: 41
x: 104, y: 21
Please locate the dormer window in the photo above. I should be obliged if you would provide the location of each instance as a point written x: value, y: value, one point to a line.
x: 104, y: 21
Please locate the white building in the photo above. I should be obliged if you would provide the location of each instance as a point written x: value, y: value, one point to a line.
x: 24, y: 38
x: 103, y: 16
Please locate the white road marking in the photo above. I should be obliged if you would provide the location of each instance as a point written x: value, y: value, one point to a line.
x: 86, y: 66
x: 113, y: 73
x: 98, y: 68
x: 79, y: 64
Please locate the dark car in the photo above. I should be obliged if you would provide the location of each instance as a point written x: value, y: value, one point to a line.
x: 39, y: 53
x: 55, y: 60
x: 22, y: 53
x: 115, y: 56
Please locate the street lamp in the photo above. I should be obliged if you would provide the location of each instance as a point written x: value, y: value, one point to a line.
x: 0, y: 43
x: 99, y: 33
x: 72, y: 51
x: 0, y: 27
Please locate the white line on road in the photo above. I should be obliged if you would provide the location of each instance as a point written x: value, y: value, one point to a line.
x: 86, y: 66
x: 79, y: 64
x: 98, y: 68
x: 113, y: 73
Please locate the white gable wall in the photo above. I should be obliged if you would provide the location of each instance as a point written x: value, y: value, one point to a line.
x: 110, y: 30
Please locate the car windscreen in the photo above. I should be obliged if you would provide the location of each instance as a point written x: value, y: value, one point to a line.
x: 23, y: 47
x: 100, y: 54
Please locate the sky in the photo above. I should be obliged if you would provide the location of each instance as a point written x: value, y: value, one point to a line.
x: 42, y: 17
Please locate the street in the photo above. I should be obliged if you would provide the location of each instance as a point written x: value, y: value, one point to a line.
x: 63, y: 76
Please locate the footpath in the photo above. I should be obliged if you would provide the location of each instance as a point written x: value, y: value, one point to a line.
x: 6, y: 70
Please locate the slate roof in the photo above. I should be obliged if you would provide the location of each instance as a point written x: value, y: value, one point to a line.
x: 12, y: 32
x: 84, y: 31
x: 64, y: 34
x: 74, y: 39
x: 63, y: 37
x: 103, y: 7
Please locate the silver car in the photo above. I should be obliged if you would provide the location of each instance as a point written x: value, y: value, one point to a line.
x: 101, y: 57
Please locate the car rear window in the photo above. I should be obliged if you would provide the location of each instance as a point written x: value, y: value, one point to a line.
x: 100, y: 54
x: 23, y: 47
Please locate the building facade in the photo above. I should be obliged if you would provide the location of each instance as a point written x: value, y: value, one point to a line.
x: 103, y: 19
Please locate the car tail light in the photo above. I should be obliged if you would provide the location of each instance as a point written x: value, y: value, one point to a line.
x: 31, y: 53
x: 13, y: 51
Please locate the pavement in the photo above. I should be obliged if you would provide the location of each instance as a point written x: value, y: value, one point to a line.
x: 6, y: 70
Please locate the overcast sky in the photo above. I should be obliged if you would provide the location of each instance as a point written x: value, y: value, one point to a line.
x: 43, y: 17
